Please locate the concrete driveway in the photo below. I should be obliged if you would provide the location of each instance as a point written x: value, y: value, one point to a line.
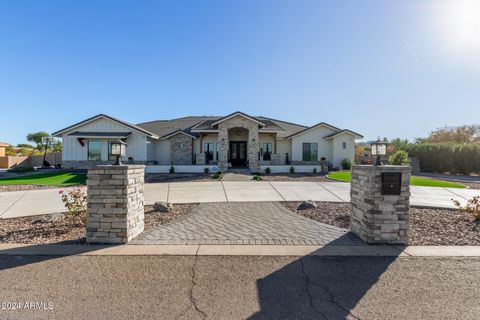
x: 28, y: 203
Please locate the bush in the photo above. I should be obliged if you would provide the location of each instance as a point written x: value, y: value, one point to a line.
x: 217, y: 176
x: 447, y: 157
x: 206, y: 170
x: 346, y: 164
x: 76, y: 203
x: 315, y: 170
x: 257, y: 177
x: 292, y: 170
x: 267, y: 170
x: 399, y: 158
x: 20, y: 169
x: 472, y: 207
x: 172, y: 169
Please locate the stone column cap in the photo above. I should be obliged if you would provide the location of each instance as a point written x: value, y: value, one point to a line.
x: 123, y: 166
x: 381, y: 168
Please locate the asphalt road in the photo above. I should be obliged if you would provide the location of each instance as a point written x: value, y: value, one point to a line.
x: 176, y: 287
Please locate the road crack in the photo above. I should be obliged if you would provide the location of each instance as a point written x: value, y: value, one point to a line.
x: 192, y: 287
x: 331, y: 297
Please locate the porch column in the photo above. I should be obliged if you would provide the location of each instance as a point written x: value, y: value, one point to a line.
x: 222, y: 147
x: 253, y: 148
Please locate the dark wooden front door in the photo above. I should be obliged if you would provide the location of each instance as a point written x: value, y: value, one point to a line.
x: 238, y: 153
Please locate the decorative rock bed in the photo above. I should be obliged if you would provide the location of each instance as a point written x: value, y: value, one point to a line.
x: 428, y: 227
x: 49, y: 229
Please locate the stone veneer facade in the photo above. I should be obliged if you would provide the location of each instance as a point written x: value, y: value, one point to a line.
x: 115, y: 203
x: 181, y: 155
x: 252, y: 148
x: 378, y: 218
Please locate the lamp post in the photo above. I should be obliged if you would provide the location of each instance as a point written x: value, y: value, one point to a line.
x: 118, y: 149
x: 379, y: 149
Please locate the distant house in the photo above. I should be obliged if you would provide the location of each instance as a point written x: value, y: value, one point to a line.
x: 235, y: 140
x: 3, y: 145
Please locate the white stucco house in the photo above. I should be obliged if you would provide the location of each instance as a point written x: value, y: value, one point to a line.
x: 235, y: 140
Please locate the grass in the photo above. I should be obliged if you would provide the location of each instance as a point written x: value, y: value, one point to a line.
x: 346, y: 176
x: 61, y: 179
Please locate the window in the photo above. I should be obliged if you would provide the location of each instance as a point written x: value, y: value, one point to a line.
x: 344, y: 145
x: 266, y: 151
x: 209, y: 149
x: 94, y: 150
x: 310, y: 152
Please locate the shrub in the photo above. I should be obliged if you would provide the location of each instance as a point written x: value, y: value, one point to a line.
x: 20, y: 169
x: 76, y: 203
x: 292, y: 170
x: 346, y: 164
x: 267, y: 170
x: 472, y: 207
x: 217, y: 176
x: 315, y: 170
x: 399, y: 158
x: 257, y: 177
x: 447, y: 157
x: 172, y: 169
x: 206, y: 170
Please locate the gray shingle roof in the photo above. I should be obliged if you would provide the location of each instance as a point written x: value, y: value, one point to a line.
x: 185, y: 124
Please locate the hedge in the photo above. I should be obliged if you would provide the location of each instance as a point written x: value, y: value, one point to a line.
x: 447, y: 157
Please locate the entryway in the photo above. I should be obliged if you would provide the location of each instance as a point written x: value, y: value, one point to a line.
x: 238, y: 153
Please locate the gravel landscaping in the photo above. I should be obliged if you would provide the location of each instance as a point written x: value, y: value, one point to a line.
x: 175, y: 177
x: 64, y: 229
x: 429, y: 227
x: 26, y: 187
x: 315, y: 177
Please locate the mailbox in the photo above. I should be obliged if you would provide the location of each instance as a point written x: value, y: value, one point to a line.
x: 391, y: 183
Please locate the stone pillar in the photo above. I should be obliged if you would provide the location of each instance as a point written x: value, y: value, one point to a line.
x: 253, y: 148
x: 201, y: 159
x: 222, y: 148
x: 115, y: 203
x: 377, y: 217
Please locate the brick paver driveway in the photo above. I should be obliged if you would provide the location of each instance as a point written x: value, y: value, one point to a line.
x: 246, y: 223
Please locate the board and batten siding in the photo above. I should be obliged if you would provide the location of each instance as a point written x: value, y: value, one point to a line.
x: 136, y: 142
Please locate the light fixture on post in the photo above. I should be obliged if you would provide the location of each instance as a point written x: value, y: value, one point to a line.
x: 379, y: 149
x: 118, y: 149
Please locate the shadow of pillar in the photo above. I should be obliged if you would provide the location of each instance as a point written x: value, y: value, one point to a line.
x: 319, y: 287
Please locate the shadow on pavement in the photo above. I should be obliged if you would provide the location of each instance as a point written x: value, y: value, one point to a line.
x: 319, y: 287
x: 29, y: 254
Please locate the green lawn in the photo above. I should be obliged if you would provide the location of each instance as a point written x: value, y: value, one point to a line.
x: 61, y: 179
x: 414, y: 181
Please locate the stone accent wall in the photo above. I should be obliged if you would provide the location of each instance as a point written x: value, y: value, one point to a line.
x: 115, y: 203
x: 179, y: 155
x: 378, y: 218
x: 252, y: 148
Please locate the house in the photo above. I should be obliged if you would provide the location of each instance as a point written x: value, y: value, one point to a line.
x: 235, y: 140
x: 3, y: 145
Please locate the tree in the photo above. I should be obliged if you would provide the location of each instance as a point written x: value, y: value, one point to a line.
x: 400, y: 144
x: 462, y: 134
x: 36, y: 138
x: 25, y: 145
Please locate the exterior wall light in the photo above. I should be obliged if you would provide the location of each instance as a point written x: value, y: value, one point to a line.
x: 222, y: 141
x: 253, y: 140
x: 379, y: 149
x: 118, y: 149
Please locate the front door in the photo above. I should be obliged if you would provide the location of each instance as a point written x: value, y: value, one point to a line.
x: 238, y: 153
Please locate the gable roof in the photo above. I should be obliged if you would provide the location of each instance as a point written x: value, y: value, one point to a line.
x: 177, y: 132
x: 333, y: 135
x: 238, y: 113
x: 4, y: 144
x: 324, y: 124
x: 98, y: 116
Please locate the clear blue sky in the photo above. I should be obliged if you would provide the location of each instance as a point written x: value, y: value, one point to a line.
x: 382, y: 68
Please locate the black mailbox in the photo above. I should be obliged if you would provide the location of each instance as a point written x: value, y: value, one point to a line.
x: 391, y: 183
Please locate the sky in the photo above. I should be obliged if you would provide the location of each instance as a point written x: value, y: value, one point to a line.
x: 381, y: 68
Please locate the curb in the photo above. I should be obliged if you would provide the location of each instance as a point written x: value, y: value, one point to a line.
x: 240, y: 250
